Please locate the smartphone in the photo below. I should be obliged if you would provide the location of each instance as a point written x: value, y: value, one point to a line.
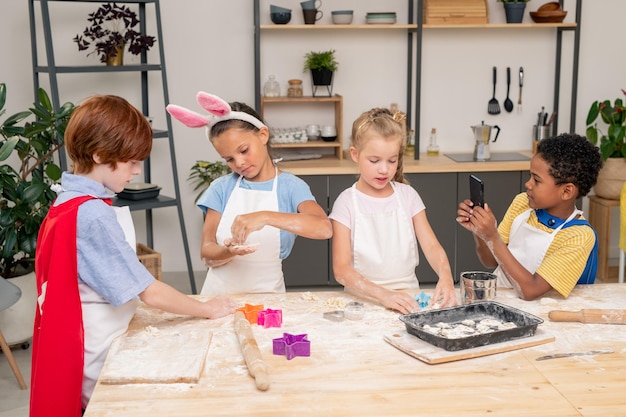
x: 477, y: 191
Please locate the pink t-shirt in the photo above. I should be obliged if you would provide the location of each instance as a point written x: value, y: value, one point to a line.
x: 343, y: 209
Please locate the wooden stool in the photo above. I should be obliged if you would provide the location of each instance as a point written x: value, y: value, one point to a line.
x: 600, y: 220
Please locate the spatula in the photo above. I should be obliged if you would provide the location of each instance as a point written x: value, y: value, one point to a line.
x: 521, y: 84
x: 494, y: 106
x: 508, y: 104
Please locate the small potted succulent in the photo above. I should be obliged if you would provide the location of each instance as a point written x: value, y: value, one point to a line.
x: 112, y: 28
x: 612, y: 143
x: 322, y: 66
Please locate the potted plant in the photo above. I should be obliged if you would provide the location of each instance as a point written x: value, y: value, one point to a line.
x: 612, y: 144
x: 203, y: 173
x: 514, y: 10
x: 322, y: 66
x: 112, y: 28
x: 28, y: 147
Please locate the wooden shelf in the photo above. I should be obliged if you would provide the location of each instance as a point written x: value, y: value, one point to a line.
x: 503, y: 26
x: 394, y: 26
x: 414, y: 26
x: 310, y: 144
x: 336, y: 100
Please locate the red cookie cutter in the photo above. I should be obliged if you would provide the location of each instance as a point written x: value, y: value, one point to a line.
x: 292, y: 345
x: 270, y: 318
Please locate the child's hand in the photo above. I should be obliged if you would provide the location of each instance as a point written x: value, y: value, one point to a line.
x: 464, y: 213
x: 240, y: 249
x: 400, y: 301
x: 244, y: 224
x: 220, y: 307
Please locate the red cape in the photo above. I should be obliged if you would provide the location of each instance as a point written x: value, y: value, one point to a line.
x: 58, y: 349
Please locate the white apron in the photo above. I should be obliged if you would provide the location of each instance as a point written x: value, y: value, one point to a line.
x: 385, y: 246
x: 102, y: 322
x: 528, y: 244
x: 260, y: 271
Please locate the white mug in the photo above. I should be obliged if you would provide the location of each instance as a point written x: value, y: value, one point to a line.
x: 313, y: 131
x: 329, y: 131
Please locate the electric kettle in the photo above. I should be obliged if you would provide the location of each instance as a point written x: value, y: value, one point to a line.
x: 482, y: 137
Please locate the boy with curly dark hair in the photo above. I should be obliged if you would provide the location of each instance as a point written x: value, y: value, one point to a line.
x: 543, y: 241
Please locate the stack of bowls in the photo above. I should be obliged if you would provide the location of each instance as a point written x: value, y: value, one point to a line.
x: 342, y: 17
x: 280, y: 15
x: 549, y: 13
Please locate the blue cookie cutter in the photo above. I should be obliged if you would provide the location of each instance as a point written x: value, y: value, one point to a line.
x: 422, y: 299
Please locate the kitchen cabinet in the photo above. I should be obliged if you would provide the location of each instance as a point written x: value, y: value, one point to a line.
x: 308, y: 264
x: 438, y: 192
x: 285, y: 103
x: 143, y: 71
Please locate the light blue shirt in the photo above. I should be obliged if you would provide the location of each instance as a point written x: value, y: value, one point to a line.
x: 292, y: 191
x: 106, y: 262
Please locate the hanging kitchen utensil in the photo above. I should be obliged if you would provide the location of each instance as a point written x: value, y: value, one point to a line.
x: 508, y: 104
x: 494, y: 106
x: 521, y: 84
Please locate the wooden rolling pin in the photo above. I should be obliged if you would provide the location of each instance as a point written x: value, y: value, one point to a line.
x: 590, y: 316
x: 251, y: 352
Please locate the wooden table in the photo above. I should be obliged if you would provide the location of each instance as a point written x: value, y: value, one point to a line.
x: 352, y: 371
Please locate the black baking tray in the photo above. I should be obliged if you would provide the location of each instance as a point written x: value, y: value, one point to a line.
x: 142, y: 194
x: 526, y: 324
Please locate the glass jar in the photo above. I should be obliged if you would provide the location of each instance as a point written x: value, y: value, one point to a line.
x: 433, y: 148
x: 271, y: 88
x: 295, y: 88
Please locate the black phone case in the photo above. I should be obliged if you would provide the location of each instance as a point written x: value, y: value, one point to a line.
x: 477, y: 191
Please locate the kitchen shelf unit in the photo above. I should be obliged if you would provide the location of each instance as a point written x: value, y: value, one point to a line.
x: 143, y: 69
x: 410, y: 28
x: 560, y: 28
x: 335, y: 100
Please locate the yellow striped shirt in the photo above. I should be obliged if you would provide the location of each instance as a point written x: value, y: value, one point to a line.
x: 567, y: 255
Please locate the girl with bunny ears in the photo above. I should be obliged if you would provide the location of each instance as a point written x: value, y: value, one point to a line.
x: 254, y: 214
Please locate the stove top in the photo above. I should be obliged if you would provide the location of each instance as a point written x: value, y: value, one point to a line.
x: 495, y: 157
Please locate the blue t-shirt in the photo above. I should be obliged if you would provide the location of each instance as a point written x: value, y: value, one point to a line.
x: 292, y: 191
x: 106, y: 262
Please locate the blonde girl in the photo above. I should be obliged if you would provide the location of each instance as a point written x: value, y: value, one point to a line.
x: 378, y: 222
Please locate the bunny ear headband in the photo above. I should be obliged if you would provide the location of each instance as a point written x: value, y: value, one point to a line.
x: 219, y: 111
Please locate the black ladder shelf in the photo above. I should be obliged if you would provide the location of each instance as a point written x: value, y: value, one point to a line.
x: 143, y: 69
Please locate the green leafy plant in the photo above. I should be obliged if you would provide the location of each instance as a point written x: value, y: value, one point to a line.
x: 612, y: 143
x: 26, y: 177
x: 112, y: 27
x: 320, y: 61
x: 203, y: 173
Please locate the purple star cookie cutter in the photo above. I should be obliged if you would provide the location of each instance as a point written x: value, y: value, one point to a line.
x: 292, y: 345
x: 270, y: 318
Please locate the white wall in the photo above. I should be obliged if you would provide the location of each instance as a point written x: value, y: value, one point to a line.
x: 209, y: 46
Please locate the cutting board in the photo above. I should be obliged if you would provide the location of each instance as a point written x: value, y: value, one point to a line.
x: 169, y: 350
x: 430, y: 354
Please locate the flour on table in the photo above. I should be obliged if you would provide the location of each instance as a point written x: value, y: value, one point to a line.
x: 151, y: 330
